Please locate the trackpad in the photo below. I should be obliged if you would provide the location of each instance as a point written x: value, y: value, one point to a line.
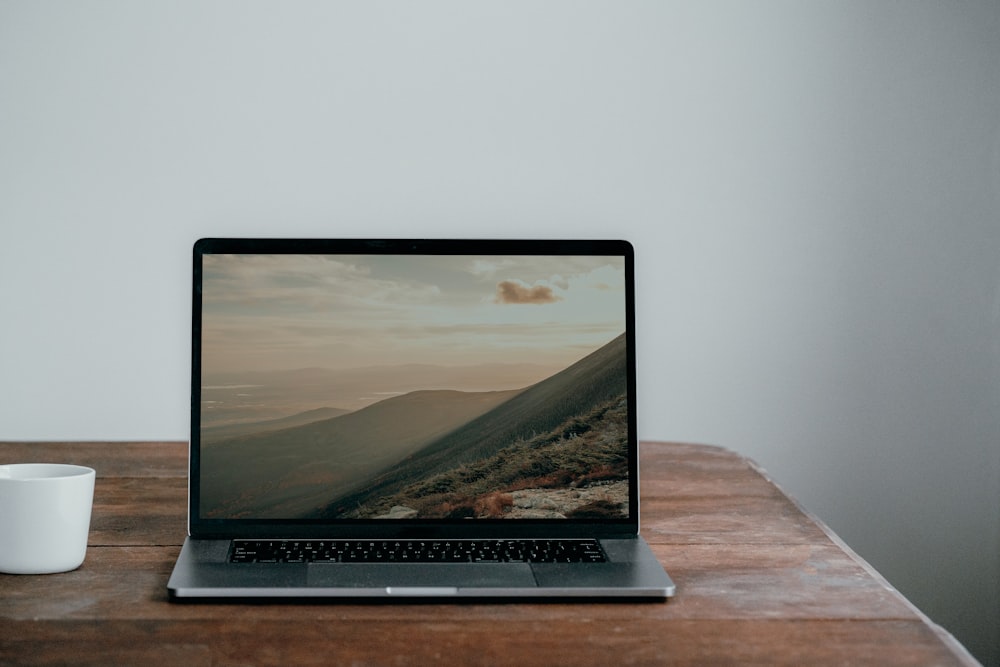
x: 420, y: 575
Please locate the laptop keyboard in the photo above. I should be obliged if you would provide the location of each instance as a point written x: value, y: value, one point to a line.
x: 415, y: 551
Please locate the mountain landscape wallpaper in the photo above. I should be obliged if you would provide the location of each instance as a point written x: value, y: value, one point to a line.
x: 413, y: 387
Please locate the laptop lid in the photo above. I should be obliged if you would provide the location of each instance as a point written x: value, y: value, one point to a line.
x: 413, y: 388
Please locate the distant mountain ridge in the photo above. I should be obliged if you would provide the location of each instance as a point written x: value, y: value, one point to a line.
x: 254, y: 396
x: 280, y: 473
x: 215, y: 433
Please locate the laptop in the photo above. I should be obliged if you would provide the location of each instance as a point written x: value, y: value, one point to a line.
x: 402, y: 419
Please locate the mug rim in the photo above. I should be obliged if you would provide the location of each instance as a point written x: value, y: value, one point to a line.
x: 38, y: 472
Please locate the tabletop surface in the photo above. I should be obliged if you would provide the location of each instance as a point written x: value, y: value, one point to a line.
x: 759, y: 581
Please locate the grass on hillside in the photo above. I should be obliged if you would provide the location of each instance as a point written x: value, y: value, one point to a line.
x: 583, y: 450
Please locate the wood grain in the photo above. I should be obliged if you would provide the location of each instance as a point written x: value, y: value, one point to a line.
x: 513, y: 641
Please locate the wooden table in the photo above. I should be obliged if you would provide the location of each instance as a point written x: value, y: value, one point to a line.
x: 759, y: 581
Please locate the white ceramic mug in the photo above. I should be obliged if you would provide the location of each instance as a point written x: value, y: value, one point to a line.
x: 44, y: 517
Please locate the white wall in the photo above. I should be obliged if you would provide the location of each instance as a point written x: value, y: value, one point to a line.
x: 813, y: 188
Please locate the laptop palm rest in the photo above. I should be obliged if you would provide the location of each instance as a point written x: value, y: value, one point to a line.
x: 419, y: 576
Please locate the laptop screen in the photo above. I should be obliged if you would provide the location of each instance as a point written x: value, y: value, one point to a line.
x: 412, y: 381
